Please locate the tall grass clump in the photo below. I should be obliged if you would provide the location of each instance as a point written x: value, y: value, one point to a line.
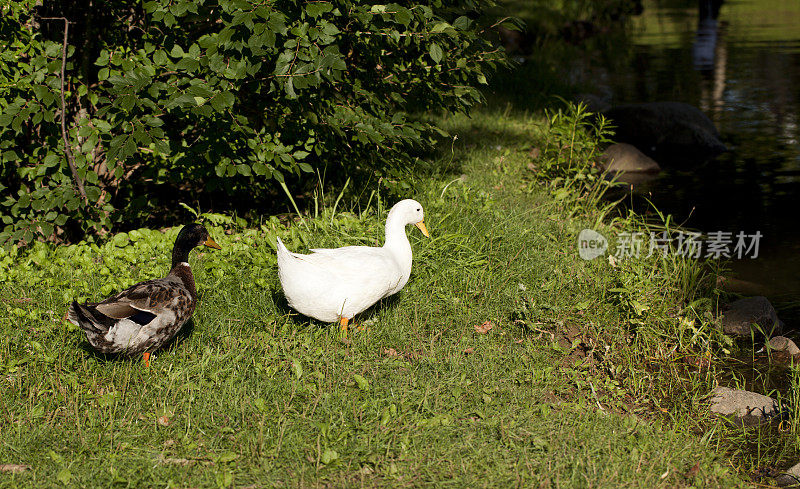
x: 569, y: 164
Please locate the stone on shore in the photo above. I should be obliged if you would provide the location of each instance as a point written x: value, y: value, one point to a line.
x: 745, y: 408
x: 624, y: 158
x: 782, y: 343
x: 672, y: 129
x: 790, y: 478
x: 739, y: 317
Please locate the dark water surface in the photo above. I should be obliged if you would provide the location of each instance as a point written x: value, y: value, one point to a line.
x: 743, y: 71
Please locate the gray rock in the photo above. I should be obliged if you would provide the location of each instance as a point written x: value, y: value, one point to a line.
x: 782, y: 343
x: 667, y: 128
x: 740, y: 315
x: 744, y: 407
x: 790, y: 478
x: 623, y: 158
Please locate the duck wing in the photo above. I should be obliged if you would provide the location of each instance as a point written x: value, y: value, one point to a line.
x: 152, y: 296
x: 347, y: 253
x: 141, y: 317
x: 363, y: 267
x: 350, y: 279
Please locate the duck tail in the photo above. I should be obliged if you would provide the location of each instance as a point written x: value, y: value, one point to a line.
x: 282, y: 251
x: 83, y: 316
x: 281, y: 246
x: 72, y: 313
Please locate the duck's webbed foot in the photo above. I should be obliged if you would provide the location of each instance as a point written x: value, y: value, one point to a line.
x: 343, y: 324
x: 146, y: 357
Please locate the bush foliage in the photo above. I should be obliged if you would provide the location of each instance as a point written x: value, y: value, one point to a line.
x: 174, y: 98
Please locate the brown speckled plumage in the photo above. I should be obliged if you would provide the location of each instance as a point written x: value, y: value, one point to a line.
x: 144, y: 317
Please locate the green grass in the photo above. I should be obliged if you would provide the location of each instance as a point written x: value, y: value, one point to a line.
x: 258, y: 396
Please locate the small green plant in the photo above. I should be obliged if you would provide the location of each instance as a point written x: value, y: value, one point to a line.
x: 569, y: 165
x: 791, y: 402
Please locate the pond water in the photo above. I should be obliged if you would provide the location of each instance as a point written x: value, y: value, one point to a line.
x: 743, y: 70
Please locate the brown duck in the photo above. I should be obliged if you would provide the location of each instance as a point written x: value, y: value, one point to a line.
x: 144, y: 317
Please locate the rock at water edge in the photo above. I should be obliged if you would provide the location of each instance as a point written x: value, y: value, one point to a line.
x: 740, y: 315
x: 745, y: 407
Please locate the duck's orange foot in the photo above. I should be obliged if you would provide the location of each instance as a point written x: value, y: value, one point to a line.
x: 146, y: 356
x: 343, y: 324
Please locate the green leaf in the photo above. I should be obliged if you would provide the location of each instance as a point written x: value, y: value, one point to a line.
x: 435, y: 52
x: 126, y: 102
x: 289, y: 88
x: 440, y: 27
x: 160, y: 57
x: 362, y: 383
x: 561, y: 194
x: 226, y: 457
x: 462, y: 23
x: 222, y: 101
x: 224, y: 479
x: 64, y: 476
x: 329, y: 456
x: 259, y: 168
x: 638, y: 307
x: 297, y: 369
x: 403, y: 16
x: 103, y: 59
x: 261, y: 405
x: 244, y: 170
x: 47, y: 228
x: 315, y: 9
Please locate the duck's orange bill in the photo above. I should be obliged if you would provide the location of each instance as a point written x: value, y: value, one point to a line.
x: 421, y: 226
x: 212, y: 244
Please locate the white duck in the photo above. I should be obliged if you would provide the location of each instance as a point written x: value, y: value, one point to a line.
x: 331, y: 284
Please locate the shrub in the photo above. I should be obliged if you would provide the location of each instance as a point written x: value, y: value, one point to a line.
x: 178, y: 98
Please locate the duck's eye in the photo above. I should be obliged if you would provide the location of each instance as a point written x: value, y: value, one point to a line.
x: 419, y: 210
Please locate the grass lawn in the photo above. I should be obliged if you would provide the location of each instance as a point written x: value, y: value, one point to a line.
x: 258, y: 396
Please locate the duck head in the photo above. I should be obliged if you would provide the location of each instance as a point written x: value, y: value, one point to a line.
x: 410, y: 211
x: 190, y: 237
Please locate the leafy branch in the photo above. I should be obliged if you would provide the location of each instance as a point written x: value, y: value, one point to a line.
x: 67, y: 146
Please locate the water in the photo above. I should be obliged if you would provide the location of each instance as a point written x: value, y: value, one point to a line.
x: 743, y: 71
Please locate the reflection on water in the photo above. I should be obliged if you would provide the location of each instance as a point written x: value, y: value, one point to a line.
x: 742, y: 69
